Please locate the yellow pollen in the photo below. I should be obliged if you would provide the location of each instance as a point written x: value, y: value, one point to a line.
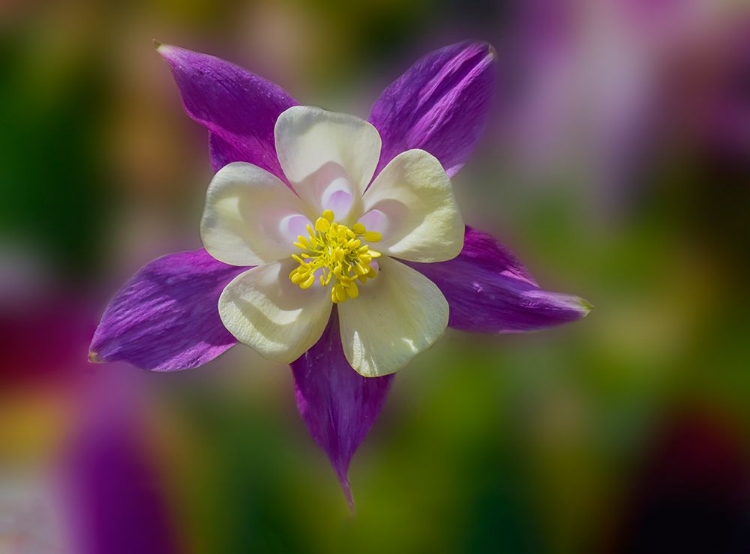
x: 339, y: 253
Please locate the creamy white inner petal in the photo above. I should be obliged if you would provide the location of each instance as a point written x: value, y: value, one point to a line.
x: 421, y: 219
x: 318, y: 149
x: 330, y: 188
x: 398, y: 315
x: 267, y: 312
x: 249, y: 215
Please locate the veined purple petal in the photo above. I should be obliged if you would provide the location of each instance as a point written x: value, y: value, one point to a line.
x: 338, y: 405
x: 223, y: 153
x: 166, y: 317
x: 489, y: 291
x: 439, y: 105
x: 238, y: 108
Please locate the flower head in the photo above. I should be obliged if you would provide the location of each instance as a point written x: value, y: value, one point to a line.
x: 331, y: 243
x: 313, y: 243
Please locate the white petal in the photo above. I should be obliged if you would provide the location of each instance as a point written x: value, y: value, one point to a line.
x: 263, y: 309
x: 329, y: 188
x: 327, y: 155
x: 250, y: 216
x: 397, y: 315
x: 419, y: 218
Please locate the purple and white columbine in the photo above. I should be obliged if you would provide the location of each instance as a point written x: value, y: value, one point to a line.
x: 331, y: 243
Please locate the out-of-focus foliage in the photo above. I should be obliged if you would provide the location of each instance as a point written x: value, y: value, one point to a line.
x: 615, y: 165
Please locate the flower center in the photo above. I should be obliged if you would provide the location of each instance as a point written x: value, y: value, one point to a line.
x: 338, y: 252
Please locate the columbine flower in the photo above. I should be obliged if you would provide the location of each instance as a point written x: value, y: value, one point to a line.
x: 313, y: 245
x: 331, y: 243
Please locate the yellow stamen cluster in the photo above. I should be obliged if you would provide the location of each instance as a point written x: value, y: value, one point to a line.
x: 338, y: 251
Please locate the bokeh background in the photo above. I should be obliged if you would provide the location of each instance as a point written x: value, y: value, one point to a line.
x: 615, y: 165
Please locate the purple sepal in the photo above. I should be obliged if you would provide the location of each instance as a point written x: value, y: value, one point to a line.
x: 222, y: 152
x: 440, y: 105
x: 338, y: 405
x: 237, y: 107
x: 166, y: 317
x: 489, y: 291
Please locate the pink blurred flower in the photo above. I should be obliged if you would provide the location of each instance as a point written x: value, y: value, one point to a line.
x: 96, y: 490
x: 592, y: 89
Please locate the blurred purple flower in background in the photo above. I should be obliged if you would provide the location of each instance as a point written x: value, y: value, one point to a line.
x: 100, y: 491
x: 709, y: 87
x: 592, y: 91
x: 116, y: 500
x: 166, y: 317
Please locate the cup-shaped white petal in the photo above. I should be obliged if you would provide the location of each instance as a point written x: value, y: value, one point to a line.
x: 417, y: 212
x: 250, y: 217
x: 263, y: 309
x: 397, y: 315
x: 327, y: 155
x: 329, y: 188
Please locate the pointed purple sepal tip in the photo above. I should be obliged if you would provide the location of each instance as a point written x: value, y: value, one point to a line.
x: 338, y: 405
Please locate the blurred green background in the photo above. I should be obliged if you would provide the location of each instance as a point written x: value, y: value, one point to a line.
x: 615, y: 166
